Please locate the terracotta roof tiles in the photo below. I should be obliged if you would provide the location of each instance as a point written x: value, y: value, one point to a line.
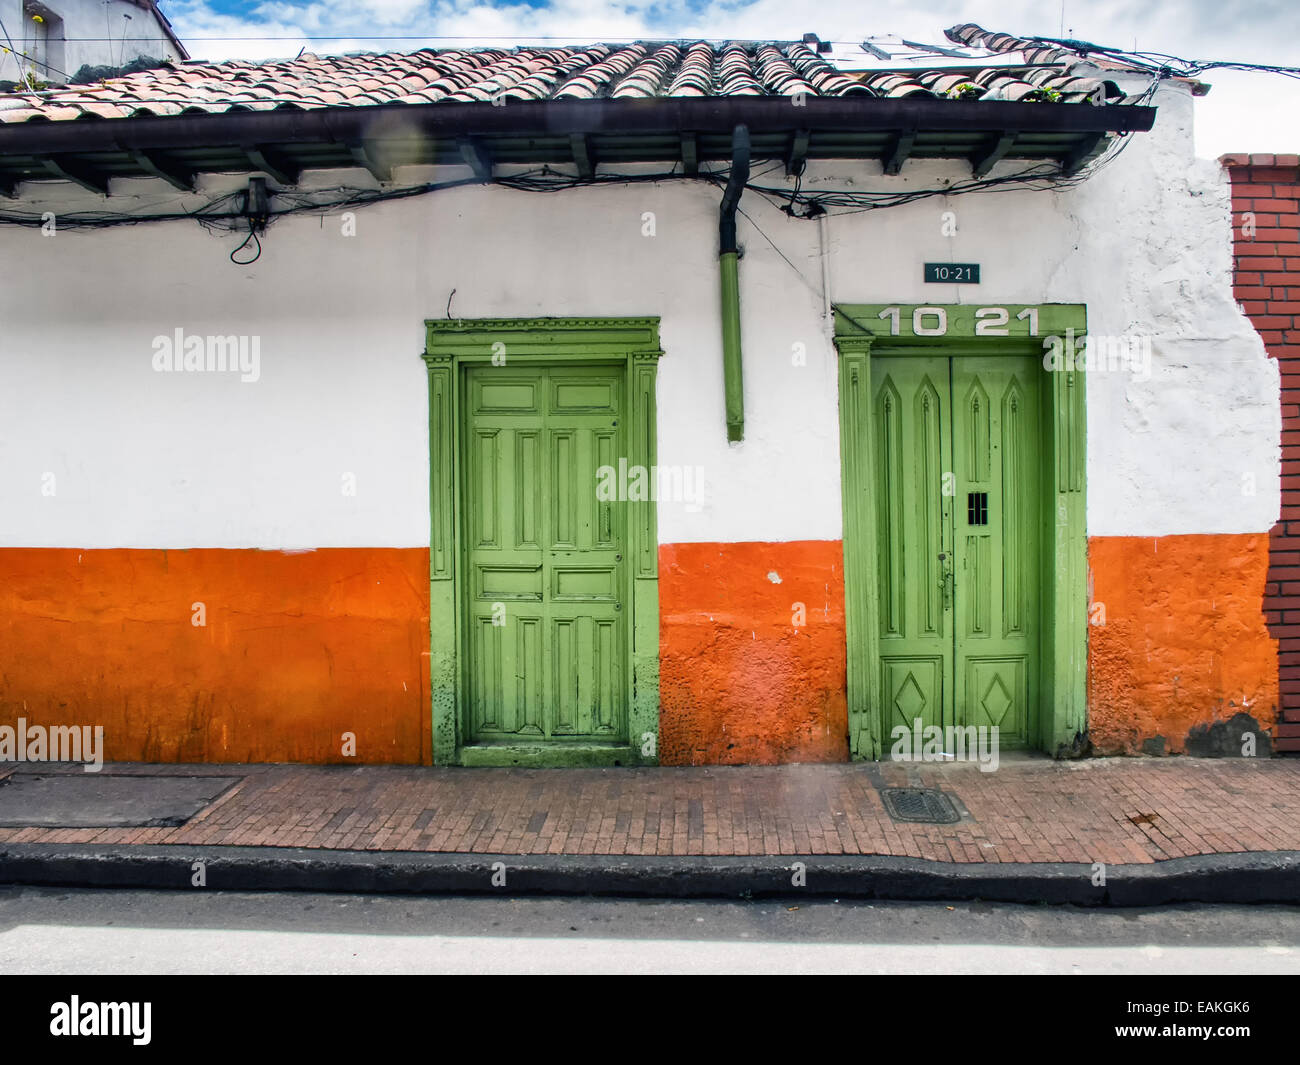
x: 534, y: 73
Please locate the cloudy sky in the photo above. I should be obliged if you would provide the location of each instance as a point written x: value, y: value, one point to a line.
x: 1252, y: 112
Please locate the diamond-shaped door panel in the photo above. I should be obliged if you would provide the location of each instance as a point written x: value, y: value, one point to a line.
x: 912, y: 689
x: 998, y: 696
x: 909, y: 701
x: 996, y: 701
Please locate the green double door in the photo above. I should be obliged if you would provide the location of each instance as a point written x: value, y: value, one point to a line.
x: 546, y: 640
x: 958, y: 541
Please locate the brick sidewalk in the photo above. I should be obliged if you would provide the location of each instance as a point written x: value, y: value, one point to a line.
x: 1031, y: 810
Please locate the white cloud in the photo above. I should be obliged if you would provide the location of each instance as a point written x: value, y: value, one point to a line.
x: 1244, y: 112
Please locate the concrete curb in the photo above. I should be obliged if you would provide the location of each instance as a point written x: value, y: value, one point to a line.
x: 1226, y: 878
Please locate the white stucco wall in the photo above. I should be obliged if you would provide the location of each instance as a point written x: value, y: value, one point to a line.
x: 143, y: 459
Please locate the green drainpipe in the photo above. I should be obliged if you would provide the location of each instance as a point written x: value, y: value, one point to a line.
x: 732, y: 372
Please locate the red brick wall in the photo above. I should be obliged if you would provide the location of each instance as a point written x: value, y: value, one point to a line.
x: 1266, y: 244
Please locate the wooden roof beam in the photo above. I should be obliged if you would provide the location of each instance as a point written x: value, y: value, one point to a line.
x: 984, y: 160
x: 366, y: 158
x: 690, y: 155
x: 273, y: 164
x: 1074, y: 162
x: 179, y: 177
x: 584, y: 158
x: 476, y: 157
x: 69, y: 169
x: 899, y: 151
x: 796, y: 158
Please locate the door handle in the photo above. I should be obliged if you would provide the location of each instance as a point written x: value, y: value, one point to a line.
x: 946, y: 579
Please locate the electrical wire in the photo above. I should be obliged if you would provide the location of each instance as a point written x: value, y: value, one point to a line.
x: 1161, y: 64
x: 16, y: 52
x: 227, y: 213
x: 252, y: 235
x: 1149, y: 62
x: 245, y: 100
x: 222, y: 214
x: 1155, y: 63
x: 514, y: 38
x: 5, y: 30
x: 802, y: 277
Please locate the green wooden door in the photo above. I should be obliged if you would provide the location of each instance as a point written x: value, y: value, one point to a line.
x: 957, y: 517
x: 546, y: 646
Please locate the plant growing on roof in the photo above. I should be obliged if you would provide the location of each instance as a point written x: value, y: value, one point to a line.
x: 1043, y: 95
x: 967, y: 90
x: 88, y: 74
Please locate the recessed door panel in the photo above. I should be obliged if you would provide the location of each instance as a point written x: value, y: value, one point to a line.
x: 995, y: 691
x: 913, y: 689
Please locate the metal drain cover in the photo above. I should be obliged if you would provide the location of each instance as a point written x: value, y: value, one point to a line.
x: 927, y: 806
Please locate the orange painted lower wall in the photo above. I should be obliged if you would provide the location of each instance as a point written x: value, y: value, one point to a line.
x: 1184, y: 641
x: 297, y: 649
x: 739, y: 680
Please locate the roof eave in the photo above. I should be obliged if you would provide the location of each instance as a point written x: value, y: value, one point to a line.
x: 553, y: 117
x: 284, y: 142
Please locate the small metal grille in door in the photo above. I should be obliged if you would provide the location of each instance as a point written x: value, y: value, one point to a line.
x: 977, y: 508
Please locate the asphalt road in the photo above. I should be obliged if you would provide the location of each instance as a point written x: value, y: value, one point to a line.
x: 110, y: 932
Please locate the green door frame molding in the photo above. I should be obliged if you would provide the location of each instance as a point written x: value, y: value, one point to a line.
x: 862, y: 330
x: 450, y: 346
